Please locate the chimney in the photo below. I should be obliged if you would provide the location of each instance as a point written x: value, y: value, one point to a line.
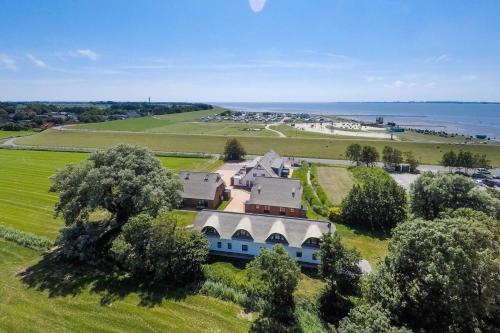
x: 206, y: 177
x: 187, y: 176
x: 293, y: 192
x: 259, y: 189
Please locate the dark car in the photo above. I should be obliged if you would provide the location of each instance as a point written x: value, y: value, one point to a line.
x: 479, y: 175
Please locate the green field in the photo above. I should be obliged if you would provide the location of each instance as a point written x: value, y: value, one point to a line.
x: 75, y: 306
x: 10, y: 134
x: 428, y: 153
x: 25, y: 202
x: 336, y: 181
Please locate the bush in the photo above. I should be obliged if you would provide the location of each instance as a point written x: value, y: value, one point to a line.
x: 25, y: 239
x: 224, y: 292
x: 335, y: 214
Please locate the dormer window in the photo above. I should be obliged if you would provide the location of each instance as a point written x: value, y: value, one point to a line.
x: 312, y: 242
x: 210, y: 231
x: 242, y: 234
x: 277, y: 238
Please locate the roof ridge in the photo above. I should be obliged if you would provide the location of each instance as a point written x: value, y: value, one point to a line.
x: 266, y: 215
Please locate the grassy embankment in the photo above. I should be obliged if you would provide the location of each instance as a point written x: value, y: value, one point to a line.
x: 11, y: 134
x: 180, y: 123
x: 427, y: 153
x: 81, y: 305
x: 25, y: 202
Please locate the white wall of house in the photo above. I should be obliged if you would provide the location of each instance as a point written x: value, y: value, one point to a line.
x: 249, y: 178
x: 236, y: 247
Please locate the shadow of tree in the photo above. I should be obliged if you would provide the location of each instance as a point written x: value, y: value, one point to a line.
x: 62, y: 279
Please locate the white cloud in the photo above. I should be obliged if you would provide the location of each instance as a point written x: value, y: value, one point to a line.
x: 400, y: 84
x: 438, y: 59
x: 37, y: 62
x: 87, y: 53
x: 471, y: 77
x: 257, y: 5
x: 7, y: 62
x: 371, y: 78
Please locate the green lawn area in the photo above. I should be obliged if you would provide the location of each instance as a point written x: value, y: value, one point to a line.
x: 428, y: 153
x: 292, y: 132
x: 336, y: 181
x: 25, y: 202
x: 9, y: 134
x: 420, y: 137
x: 145, y: 124
x: 52, y: 309
x: 184, y: 217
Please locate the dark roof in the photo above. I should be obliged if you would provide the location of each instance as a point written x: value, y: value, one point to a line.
x: 199, y: 185
x: 260, y: 227
x: 281, y: 192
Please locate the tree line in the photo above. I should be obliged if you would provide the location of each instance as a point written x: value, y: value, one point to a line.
x: 392, y: 157
x: 465, y: 160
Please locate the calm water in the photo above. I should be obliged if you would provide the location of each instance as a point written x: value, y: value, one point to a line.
x: 463, y: 118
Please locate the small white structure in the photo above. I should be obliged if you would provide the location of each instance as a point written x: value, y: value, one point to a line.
x: 244, y: 235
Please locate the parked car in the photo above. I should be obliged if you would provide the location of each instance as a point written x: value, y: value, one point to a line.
x: 492, y: 182
x: 479, y: 175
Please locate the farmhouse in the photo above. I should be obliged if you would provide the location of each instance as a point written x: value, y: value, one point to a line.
x: 244, y: 235
x: 276, y: 196
x: 201, y: 190
x: 269, y: 165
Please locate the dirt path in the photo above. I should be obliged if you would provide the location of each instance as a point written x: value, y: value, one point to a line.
x: 268, y: 127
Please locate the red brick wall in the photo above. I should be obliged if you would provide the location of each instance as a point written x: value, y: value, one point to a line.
x: 274, y: 210
x: 211, y: 204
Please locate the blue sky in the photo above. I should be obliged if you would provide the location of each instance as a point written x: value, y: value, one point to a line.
x: 228, y: 50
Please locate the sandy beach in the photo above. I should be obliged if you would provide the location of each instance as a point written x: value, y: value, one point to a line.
x: 345, y: 129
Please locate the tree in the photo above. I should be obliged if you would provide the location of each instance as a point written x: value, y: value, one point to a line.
x: 481, y: 161
x: 378, y: 204
x: 465, y: 160
x: 441, y: 276
x: 121, y: 182
x: 367, y: 318
x: 412, y: 161
x: 275, y: 276
x: 449, y: 160
x: 369, y: 155
x: 353, y: 153
x: 160, y: 251
x: 233, y: 151
x: 392, y: 157
x: 431, y: 195
x: 339, y: 266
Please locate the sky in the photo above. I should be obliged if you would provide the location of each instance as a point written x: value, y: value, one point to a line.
x: 250, y: 50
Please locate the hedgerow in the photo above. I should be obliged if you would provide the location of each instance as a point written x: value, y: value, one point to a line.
x: 25, y: 239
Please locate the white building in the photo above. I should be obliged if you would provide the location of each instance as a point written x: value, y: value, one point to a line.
x: 269, y: 165
x: 244, y: 235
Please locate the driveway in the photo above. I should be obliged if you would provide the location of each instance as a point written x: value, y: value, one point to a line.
x: 239, y: 196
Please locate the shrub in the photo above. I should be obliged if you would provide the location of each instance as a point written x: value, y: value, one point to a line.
x: 25, y: 239
x: 335, y: 214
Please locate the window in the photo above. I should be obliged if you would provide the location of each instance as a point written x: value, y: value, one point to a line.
x: 255, y: 175
x: 210, y: 231
x: 277, y: 238
x: 282, y: 211
x: 229, y: 246
x: 266, y: 209
x: 242, y: 234
x: 315, y: 256
x: 244, y: 248
x: 257, y: 207
x: 219, y: 245
x: 292, y: 210
x: 299, y: 254
x: 311, y: 242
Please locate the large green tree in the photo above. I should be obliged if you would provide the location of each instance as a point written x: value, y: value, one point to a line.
x: 392, y: 157
x: 442, y: 275
x: 432, y: 194
x: 369, y: 155
x: 367, y: 318
x: 353, y: 153
x: 159, y: 250
x: 234, y: 151
x: 119, y: 183
x: 275, y: 276
x: 377, y: 204
x: 339, y: 266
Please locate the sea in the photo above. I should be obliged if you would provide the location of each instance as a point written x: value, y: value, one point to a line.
x: 451, y: 117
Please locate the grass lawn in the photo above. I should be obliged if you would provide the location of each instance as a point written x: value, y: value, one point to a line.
x: 9, y: 134
x: 336, y: 181
x: 224, y: 204
x: 184, y: 217
x: 145, y: 124
x: 47, y: 308
x: 428, y: 153
x: 25, y: 202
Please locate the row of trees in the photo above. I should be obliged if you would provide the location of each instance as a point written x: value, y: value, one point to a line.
x: 392, y: 157
x: 465, y: 160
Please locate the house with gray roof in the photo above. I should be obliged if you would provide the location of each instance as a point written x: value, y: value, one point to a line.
x: 201, y: 189
x: 276, y: 196
x: 244, y: 235
x: 269, y: 165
